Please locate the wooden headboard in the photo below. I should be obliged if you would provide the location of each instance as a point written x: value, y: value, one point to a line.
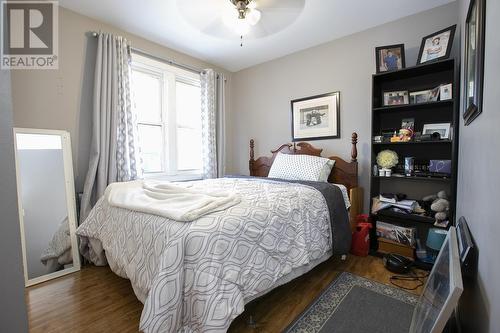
x: 343, y: 172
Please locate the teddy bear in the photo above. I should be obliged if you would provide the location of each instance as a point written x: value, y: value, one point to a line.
x: 439, y: 204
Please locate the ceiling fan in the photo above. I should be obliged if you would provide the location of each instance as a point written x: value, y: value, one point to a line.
x: 246, y: 15
x: 237, y: 18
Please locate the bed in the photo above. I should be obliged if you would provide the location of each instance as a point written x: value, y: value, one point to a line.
x: 198, y: 276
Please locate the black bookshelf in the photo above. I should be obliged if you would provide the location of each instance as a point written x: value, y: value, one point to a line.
x: 415, y: 78
x: 414, y: 178
x: 412, y: 107
x: 412, y: 143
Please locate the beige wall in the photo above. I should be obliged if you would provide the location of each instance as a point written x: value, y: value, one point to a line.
x: 261, y: 94
x: 478, y: 183
x: 62, y: 99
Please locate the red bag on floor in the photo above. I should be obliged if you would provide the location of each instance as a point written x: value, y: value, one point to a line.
x: 360, y: 245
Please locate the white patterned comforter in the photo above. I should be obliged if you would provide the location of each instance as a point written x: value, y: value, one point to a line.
x: 197, y: 276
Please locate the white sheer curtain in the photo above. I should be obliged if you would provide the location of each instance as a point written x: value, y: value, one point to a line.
x: 113, y: 147
x: 213, y: 123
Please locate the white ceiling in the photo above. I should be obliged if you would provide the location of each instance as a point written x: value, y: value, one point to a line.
x: 320, y: 21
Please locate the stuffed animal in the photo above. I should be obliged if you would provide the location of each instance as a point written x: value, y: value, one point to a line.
x: 440, y: 205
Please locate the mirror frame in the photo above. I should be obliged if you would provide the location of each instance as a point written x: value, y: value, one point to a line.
x: 70, y: 202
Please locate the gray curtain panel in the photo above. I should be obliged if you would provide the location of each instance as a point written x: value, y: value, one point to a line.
x: 113, y: 146
x: 213, y: 123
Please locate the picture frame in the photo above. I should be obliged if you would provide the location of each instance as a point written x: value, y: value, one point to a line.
x: 446, y: 92
x: 441, y: 291
x: 434, y: 94
x: 465, y: 243
x: 399, y: 97
x: 436, y: 46
x: 419, y: 97
x: 408, y: 123
x: 316, y: 117
x: 442, y: 128
x: 475, y: 27
x: 425, y: 96
x: 390, y: 58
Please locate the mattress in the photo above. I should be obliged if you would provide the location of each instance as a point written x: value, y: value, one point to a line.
x: 197, y: 276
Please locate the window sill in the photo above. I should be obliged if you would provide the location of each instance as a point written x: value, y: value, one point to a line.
x: 173, y: 178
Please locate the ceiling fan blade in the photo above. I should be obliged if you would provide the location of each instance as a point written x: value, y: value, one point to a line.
x: 279, y: 4
x: 258, y: 31
x: 207, y: 16
x: 218, y: 28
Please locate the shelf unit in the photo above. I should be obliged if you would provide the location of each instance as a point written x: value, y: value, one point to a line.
x: 412, y: 142
x: 415, y: 78
x: 390, y: 108
x: 413, y: 178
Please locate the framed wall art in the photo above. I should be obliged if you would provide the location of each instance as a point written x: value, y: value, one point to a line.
x: 316, y: 117
x: 474, y: 60
x: 442, y: 289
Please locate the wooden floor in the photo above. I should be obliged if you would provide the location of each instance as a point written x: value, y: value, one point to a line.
x: 97, y: 300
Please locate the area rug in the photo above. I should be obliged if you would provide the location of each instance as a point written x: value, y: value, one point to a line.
x: 354, y: 304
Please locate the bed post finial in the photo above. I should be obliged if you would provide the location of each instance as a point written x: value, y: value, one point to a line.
x: 354, y: 150
x: 251, y: 162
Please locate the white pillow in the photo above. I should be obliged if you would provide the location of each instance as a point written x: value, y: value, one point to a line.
x: 301, y: 167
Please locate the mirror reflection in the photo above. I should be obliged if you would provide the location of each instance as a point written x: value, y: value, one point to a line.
x: 43, y: 200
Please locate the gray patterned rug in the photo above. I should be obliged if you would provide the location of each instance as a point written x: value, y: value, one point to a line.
x: 353, y: 304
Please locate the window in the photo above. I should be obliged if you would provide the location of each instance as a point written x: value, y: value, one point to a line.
x: 167, y: 103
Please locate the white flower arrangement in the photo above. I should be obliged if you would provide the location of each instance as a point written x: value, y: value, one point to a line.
x: 387, y: 159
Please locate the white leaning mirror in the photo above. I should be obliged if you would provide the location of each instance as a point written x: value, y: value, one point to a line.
x: 46, y: 199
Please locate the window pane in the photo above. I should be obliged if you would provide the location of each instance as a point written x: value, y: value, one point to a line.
x: 188, y: 105
x: 188, y: 149
x: 146, y: 96
x: 151, y: 145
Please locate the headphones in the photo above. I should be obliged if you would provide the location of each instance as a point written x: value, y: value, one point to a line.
x: 401, y: 265
x: 397, y: 264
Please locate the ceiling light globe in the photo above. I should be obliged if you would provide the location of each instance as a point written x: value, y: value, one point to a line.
x: 229, y: 16
x: 252, y: 4
x: 242, y: 27
x: 230, y: 21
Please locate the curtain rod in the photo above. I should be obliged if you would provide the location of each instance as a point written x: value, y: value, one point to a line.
x: 168, y: 61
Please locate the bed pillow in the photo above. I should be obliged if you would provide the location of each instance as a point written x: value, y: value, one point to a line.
x: 301, y: 167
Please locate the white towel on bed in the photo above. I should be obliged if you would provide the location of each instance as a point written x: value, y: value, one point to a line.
x: 173, y: 201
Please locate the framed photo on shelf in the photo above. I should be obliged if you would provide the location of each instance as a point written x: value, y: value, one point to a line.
x: 316, y: 117
x: 422, y: 96
x: 436, y: 46
x: 390, y: 57
x: 434, y: 94
x: 474, y: 60
x: 408, y: 123
x: 446, y: 92
x: 443, y: 129
x: 395, y: 97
